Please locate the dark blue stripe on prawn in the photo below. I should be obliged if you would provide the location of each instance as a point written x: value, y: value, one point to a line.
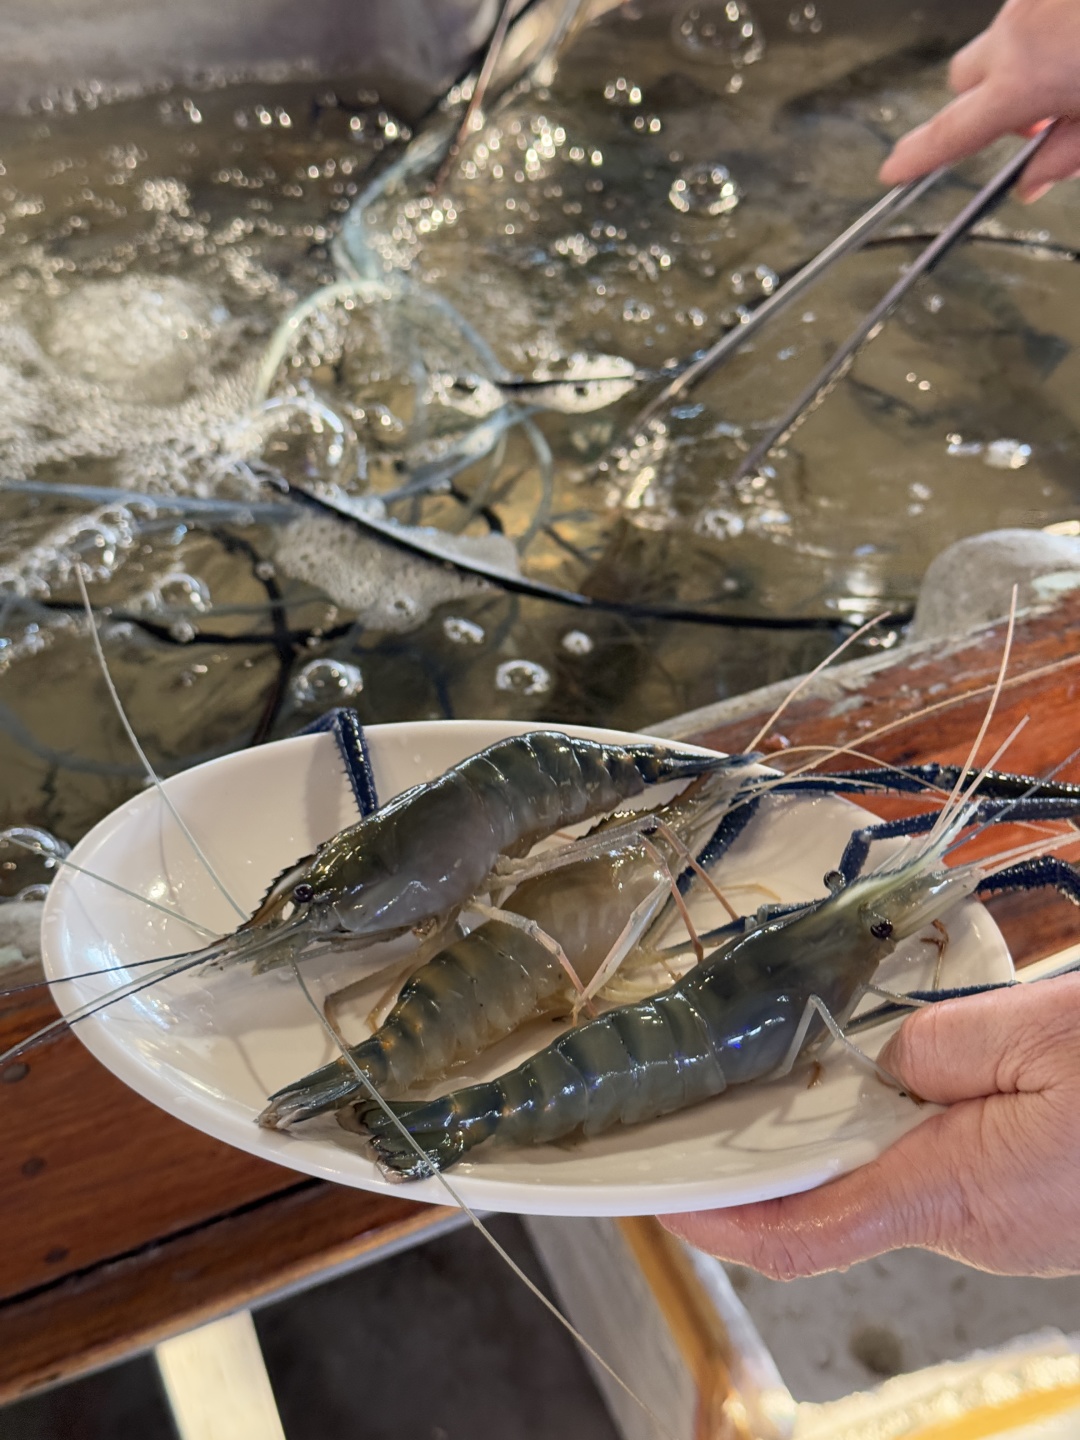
x: 1004, y: 795
x: 747, y: 1014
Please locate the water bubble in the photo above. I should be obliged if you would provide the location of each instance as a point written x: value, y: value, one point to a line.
x: 762, y: 280
x: 522, y: 677
x: 805, y: 20
x: 327, y: 682
x: 719, y: 31
x: 637, y: 312
x: 576, y: 642
x: 29, y: 858
x: 178, y: 591
x: 622, y: 92
x: 1007, y: 455
x: 462, y: 631
x: 705, y: 189
x: 956, y: 445
x: 299, y: 436
x: 720, y: 523
x: 93, y: 548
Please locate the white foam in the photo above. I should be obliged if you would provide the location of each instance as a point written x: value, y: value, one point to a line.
x: 386, y: 587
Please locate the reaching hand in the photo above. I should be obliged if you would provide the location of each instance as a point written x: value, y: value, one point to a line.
x: 1022, y: 70
x: 994, y: 1181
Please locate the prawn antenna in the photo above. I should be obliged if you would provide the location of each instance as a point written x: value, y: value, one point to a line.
x: 168, y: 910
x: 81, y: 975
x: 129, y: 731
x: 436, y: 1174
x: 175, y: 965
x: 806, y: 680
x: 1035, y: 785
x: 957, y: 798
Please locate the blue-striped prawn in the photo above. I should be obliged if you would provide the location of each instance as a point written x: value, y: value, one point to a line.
x: 766, y: 999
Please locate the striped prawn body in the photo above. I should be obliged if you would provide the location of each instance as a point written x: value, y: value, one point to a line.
x: 730, y: 1021
x: 483, y: 986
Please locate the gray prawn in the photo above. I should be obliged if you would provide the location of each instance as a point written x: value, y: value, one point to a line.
x: 413, y: 864
x: 763, y: 1001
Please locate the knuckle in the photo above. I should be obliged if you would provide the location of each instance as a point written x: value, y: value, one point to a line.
x: 772, y: 1256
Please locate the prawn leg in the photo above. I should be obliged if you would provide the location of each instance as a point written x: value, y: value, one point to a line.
x: 344, y: 725
x: 1024, y: 808
x: 816, y: 1006
x: 1044, y: 871
x: 534, y: 932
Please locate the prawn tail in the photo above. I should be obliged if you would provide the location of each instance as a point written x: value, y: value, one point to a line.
x: 329, y: 1088
x: 417, y: 1138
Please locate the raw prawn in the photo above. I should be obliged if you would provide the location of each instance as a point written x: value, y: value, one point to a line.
x: 762, y: 1002
x: 574, y: 923
x: 413, y: 864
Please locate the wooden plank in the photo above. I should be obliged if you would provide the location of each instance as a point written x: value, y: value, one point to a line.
x: 89, y: 1170
x: 952, y: 682
x: 693, y: 1323
x: 216, y: 1382
x: 235, y: 1262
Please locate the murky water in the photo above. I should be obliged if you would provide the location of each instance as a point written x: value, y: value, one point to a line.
x: 684, y: 158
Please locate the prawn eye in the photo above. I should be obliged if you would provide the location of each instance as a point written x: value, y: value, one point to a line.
x: 303, y: 893
x: 881, y: 929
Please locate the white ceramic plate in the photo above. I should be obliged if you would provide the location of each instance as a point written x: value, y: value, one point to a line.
x: 210, y: 1045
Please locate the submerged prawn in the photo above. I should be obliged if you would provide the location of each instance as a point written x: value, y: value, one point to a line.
x: 763, y: 1001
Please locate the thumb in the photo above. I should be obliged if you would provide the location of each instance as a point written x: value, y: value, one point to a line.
x: 999, y: 1043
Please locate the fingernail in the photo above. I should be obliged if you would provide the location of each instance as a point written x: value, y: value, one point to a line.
x: 1030, y: 196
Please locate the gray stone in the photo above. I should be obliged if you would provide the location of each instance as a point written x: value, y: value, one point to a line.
x: 970, y: 583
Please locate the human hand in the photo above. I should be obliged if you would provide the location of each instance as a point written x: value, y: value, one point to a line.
x: 994, y: 1181
x: 1022, y: 70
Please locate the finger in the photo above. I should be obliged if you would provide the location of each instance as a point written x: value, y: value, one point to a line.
x: 970, y: 66
x: 1002, y: 1042
x: 973, y: 120
x: 1059, y: 159
x: 907, y: 1196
